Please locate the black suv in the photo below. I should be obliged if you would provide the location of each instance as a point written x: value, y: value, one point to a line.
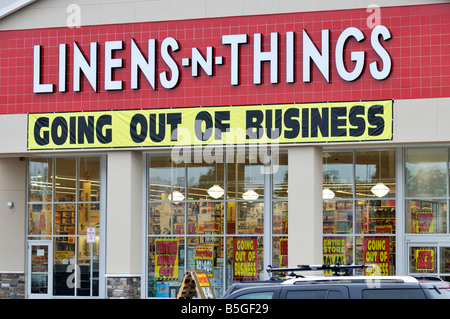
x: 341, y: 287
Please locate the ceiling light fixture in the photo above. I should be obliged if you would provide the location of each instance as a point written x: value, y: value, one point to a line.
x: 327, y: 193
x: 380, y: 190
x: 176, y: 197
x: 250, y: 195
x: 215, y: 191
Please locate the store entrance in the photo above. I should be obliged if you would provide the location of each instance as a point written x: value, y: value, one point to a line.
x: 40, y: 269
x: 65, y: 227
x: 429, y: 258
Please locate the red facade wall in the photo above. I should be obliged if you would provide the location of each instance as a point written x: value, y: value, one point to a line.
x: 419, y: 50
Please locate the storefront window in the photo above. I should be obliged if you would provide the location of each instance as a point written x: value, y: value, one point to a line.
x: 40, y: 174
x: 423, y: 259
x: 63, y: 202
x: 213, y: 213
x: 374, y: 167
x: 426, y: 216
x: 378, y: 251
x: 279, y: 251
x: 338, y: 250
x: 245, y: 258
x: 166, y: 265
x: 337, y: 217
x: 338, y: 173
x: 426, y: 260
x: 426, y: 172
x: 375, y: 216
x: 356, y: 212
x: 426, y: 190
x: 245, y: 178
x: 280, y: 211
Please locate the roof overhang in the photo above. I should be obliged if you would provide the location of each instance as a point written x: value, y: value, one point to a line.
x: 9, y: 6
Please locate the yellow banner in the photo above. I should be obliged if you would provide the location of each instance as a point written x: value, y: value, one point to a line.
x: 235, y: 125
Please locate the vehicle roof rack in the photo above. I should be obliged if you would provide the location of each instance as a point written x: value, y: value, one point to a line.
x: 339, y: 270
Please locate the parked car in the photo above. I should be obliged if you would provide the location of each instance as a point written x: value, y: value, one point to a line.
x: 342, y: 287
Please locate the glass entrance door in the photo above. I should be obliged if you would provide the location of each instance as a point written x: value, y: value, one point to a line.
x: 429, y: 259
x: 40, y: 269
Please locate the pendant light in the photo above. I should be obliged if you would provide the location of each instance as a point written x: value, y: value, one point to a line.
x: 215, y: 191
x: 176, y: 197
x: 380, y: 190
x: 250, y: 195
x: 326, y: 192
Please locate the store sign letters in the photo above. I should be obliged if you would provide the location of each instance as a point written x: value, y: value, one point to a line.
x: 239, y: 125
x: 168, y: 74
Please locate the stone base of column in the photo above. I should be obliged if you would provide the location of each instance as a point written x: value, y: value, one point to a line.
x: 123, y: 288
x: 12, y: 286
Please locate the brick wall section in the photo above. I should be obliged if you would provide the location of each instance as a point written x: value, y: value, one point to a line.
x: 123, y: 288
x: 12, y: 286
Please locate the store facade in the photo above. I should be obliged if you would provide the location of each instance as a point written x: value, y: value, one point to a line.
x: 135, y: 150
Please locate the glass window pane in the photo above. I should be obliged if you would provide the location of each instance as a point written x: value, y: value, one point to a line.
x: 280, y: 176
x: 245, y: 262
x: 338, y: 173
x: 426, y: 172
x: 65, y: 219
x: 279, y: 251
x: 88, y: 216
x: 249, y: 218
x: 64, y: 266
x: 245, y: 177
x: 65, y: 179
x: 280, y: 217
x: 426, y: 216
x: 166, y: 179
x: 378, y: 251
x: 88, y: 256
x: 89, y: 179
x: 205, y: 217
x: 166, y: 218
x: 423, y: 259
x: 206, y: 254
x: 375, y: 216
x: 444, y: 260
x: 39, y: 269
x: 337, y: 217
x: 40, y: 219
x: 40, y: 180
x: 201, y: 180
x: 373, y: 167
x: 337, y: 250
x: 165, y: 266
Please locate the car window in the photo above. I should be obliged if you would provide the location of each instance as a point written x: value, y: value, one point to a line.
x: 407, y: 293
x: 257, y: 295
x: 314, y: 294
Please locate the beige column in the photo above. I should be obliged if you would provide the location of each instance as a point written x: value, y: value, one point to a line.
x: 12, y: 220
x: 124, y: 214
x: 305, y: 206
